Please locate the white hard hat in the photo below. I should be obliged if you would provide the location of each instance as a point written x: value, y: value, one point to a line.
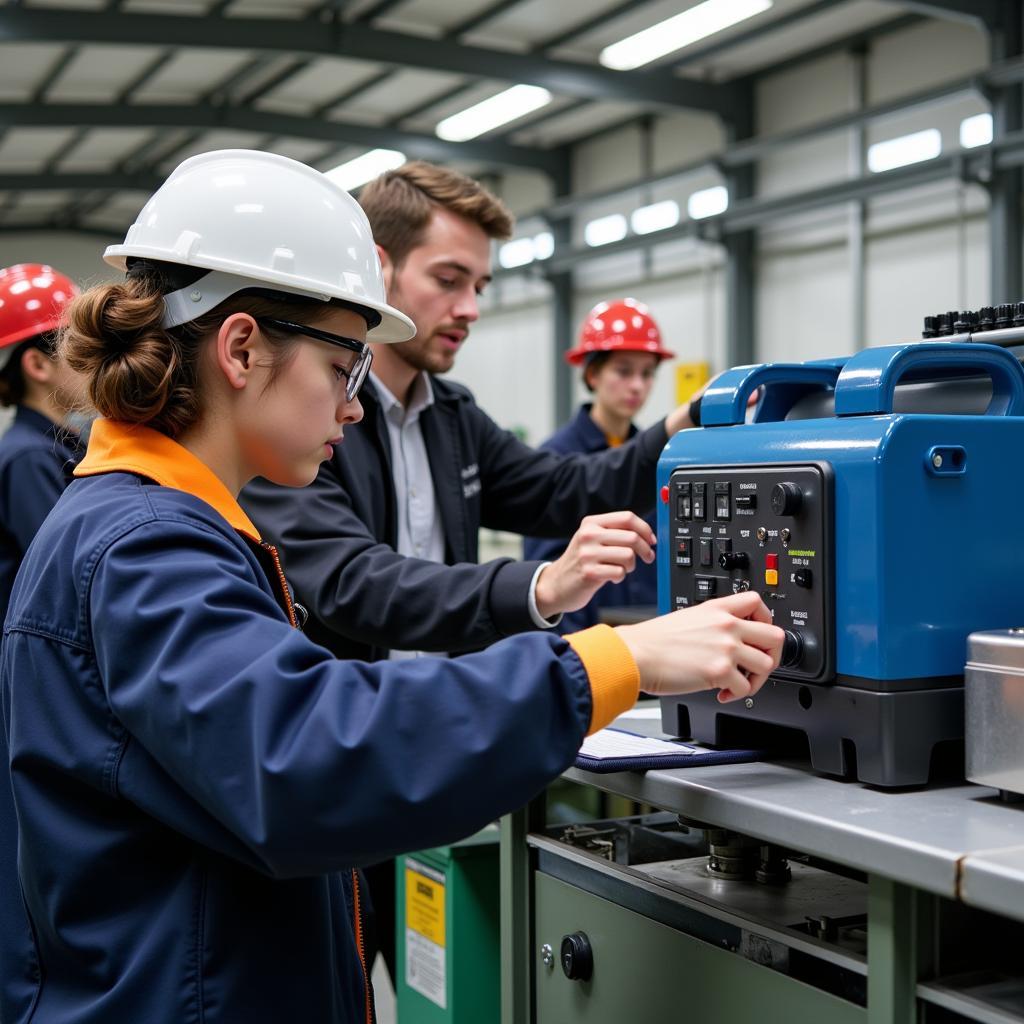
x: 259, y: 220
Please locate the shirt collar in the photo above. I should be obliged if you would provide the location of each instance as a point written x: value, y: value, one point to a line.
x: 116, y: 447
x: 422, y: 396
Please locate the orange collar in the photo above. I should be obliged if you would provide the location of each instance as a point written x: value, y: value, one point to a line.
x: 116, y: 447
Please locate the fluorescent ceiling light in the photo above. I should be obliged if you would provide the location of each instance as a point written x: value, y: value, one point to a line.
x: 708, y: 202
x: 976, y: 131
x: 543, y: 245
x: 681, y: 30
x: 655, y: 217
x: 498, y: 110
x: 605, y: 229
x: 365, y: 168
x: 906, y: 149
x: 516, y: 253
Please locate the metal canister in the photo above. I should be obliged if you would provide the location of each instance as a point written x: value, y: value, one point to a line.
x: 994, y: 694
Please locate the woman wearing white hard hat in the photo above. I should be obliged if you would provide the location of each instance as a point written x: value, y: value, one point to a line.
x: 196, y: 782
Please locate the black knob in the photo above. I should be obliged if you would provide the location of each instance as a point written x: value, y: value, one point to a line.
x: 931, y: 327
x: 1004, y: 315
x: 986, y: 318
x: 950, y: 319
x: 786, y: 499
x: 965, y: 322
x: 792, y: 649
x: 577, y: 957
x: 1018, y: 314
x: 733, y: 560
x: 803, y: 578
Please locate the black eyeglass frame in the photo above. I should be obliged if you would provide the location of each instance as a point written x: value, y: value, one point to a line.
x: 355, y: 377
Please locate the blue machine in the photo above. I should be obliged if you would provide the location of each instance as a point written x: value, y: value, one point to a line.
x: 878, y: 539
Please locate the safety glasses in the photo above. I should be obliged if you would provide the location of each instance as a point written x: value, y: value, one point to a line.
x: 356, y: 374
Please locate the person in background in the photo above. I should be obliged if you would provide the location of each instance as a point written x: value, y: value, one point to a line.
x: 39, y: 449
x: 383, y: 547
x: 36, y: 456
x: 196, y: 781
x: 619, y: 349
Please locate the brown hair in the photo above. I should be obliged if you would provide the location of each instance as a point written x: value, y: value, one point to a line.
x: 400, y: 203
x: 136, y: 370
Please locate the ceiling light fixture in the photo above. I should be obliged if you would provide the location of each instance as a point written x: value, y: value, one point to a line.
x: 678, y: 31
x: 492, y: 113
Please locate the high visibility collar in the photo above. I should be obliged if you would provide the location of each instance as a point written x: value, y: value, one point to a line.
x: 116, y: 447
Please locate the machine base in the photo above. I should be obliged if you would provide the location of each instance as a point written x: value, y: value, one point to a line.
x: 885, y: 739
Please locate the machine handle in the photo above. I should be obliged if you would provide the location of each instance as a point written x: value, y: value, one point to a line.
x: 868, y: 382
x: 724, y: 403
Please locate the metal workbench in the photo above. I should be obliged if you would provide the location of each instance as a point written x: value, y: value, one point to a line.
x: 958, y: 842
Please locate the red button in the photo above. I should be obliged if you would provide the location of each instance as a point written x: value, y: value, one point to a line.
x: 664, y: 495
x: 771, y: 561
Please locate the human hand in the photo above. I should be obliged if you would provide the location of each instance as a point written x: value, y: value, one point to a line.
x: 604, y: 549
x: 727, y: 645
x: 684, y: 416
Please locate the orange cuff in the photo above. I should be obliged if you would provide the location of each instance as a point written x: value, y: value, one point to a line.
x: 614, y: 677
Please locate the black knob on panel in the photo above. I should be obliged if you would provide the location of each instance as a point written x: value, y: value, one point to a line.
x: 931, y: 327
x: 803, y: 578
x: 986, y: 318
x: 1004, y: 315
x: 733, y: 560
x: 949, y: 319
x: 792, y: 649
x: 786, y: 499
x: 577, y: 957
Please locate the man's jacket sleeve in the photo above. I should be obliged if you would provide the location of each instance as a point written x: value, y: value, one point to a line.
x: 363, y: 589
x: 544, y: 494
x: 315, y: 763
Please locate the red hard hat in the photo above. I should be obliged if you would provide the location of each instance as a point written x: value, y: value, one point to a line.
x: 32, y: 301
x: 623, y: 325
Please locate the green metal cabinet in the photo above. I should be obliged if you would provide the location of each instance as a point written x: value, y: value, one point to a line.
x: 645, y: 972
x: 448, y: 934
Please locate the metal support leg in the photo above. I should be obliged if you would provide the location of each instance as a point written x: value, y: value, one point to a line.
x: 517, y: 953
x: 893, y: 956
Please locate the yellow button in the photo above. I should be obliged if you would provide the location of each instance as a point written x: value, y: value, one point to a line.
x: 771, y: 577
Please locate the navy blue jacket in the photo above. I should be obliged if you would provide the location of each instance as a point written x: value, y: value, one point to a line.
x: 640, y: 587
x: 36, y: 459
x: 36, y: 456
x: 195, y: 779
x: 339, y: 535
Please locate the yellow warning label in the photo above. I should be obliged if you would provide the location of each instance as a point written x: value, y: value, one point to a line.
x: 424, y: 906
x: 690, y: 377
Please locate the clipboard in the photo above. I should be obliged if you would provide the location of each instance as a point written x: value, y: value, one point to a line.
x: 618, y: 750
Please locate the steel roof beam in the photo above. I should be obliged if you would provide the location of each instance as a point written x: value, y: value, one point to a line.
x: 262, y: 122
x: 309, y: 38
x: 985, y: 12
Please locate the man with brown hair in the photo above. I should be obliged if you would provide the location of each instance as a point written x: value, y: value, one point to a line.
x: 382, y: 547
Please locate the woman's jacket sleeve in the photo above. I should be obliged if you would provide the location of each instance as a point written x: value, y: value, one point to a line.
x: 315, y: 763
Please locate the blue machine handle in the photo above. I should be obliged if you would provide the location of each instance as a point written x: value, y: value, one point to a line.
x: 725, y: 401
x: 868, y: 382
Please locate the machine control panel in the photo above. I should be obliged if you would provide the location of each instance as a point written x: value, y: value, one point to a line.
x: 766, y: 528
